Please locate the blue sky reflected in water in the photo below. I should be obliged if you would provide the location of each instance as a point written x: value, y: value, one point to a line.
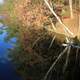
x: 4, y: 46
x: 7, y: 69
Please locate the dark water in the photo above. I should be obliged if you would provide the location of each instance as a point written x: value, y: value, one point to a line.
x: 7, y: 69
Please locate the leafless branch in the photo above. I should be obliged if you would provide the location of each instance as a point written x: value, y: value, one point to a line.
x: 65, y: 27
x: 67, y: 58
x: 60, y: 55
x: 52, y: 41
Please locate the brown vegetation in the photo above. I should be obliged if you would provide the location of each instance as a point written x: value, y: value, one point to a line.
x: 30, y: 14
x: 36, y: 56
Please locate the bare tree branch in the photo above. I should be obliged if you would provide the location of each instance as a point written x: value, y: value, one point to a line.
x: 79, y: 24
x: 65, y: 28
x: 71, y: 11
x: 52, y: 41
x: 60, y: 55
x: 67, y: 58
x: 54, y: 28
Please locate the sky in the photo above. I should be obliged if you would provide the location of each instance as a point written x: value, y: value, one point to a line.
x: 1, y: 1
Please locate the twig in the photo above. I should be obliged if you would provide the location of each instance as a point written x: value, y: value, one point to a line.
x: 52, y: 42
x: 65, y: 28
x: 71, y: 10
x: 60, y: 55
x: 37, y: 40
x: 54, y: 28
x: 77, y: 53
x: 67, y: 58
x: 79, y: 24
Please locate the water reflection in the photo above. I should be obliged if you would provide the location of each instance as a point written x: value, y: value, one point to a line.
x: 7, y: 70
x: 5, y: 45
